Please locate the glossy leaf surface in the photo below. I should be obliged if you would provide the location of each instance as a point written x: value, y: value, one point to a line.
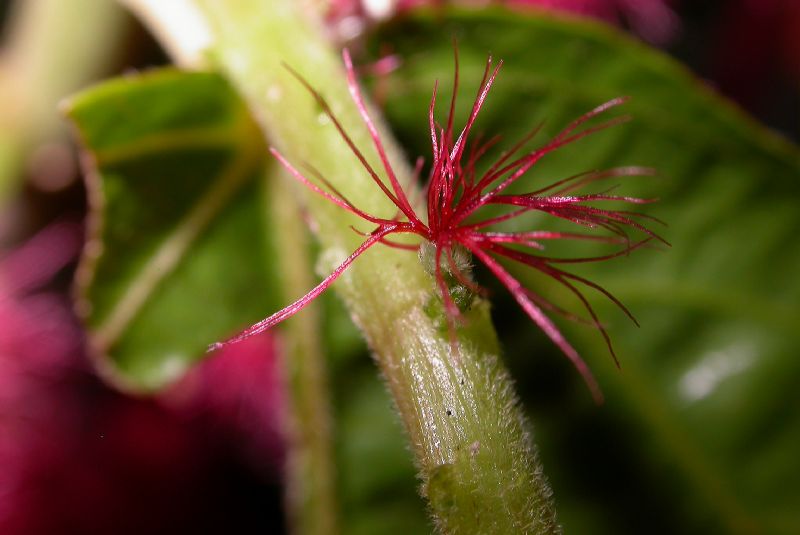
x: 176, y: 257
x: 701, y: 424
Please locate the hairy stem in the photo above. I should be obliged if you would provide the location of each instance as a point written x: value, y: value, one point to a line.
x: 476, y: 461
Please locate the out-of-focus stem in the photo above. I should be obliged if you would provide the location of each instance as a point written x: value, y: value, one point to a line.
x: 52, y: 48
x: 477, y: 463
x: 310, y: 478
x: 309, y: 474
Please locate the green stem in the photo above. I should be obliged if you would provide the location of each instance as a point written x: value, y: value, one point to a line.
x: 309, y: 474
x: 53, y: 48
x: 476, y: 460
x: 310, y: 478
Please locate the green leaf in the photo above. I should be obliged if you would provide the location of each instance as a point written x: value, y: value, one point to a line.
x: 705, y: 408
x: 159, y: 145
x: 176, y: 247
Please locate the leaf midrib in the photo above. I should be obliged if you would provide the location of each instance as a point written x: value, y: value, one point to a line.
x: 172, y: 249
x: 166, y: 141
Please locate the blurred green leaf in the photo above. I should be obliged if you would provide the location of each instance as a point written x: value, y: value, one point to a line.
x: 176, y: 250
x: 160, y: 145
x: 705, y: 409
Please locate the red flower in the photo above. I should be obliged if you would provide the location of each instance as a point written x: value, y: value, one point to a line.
x: 456, y: 193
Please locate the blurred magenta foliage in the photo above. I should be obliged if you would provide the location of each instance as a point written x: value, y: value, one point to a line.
x: 757, y: 42
x: 653, y: 20
x: 747, y: 49
x: 77, y: 457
